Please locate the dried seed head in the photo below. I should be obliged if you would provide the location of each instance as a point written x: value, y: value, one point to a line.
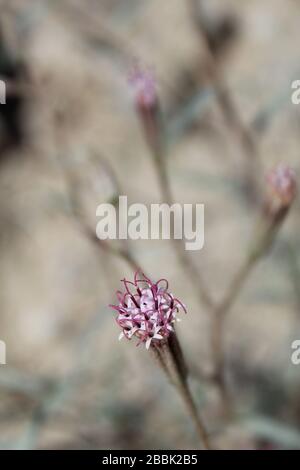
x: 146, y: 310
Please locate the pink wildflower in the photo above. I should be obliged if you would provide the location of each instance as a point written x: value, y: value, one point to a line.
x: 146, y: 310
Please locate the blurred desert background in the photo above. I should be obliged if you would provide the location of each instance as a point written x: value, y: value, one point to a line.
x: 69, y: 132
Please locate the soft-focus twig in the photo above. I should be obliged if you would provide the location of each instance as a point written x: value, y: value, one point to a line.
x: 71, y: 189
x: 152, y: 120
x: 238, y: 130
x: 282, y: 189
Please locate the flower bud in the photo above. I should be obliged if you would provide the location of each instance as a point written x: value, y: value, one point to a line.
x: 147, y: 104
x: 282, y: 184
x: 282, y: 190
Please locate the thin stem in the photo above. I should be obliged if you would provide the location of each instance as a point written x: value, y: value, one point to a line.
x: 172, y: 367
x: 71, y: 188
x: 185, y: 261
x: 186, y: 395
x: 239, y: 131
x: 217, y: 340
x: 265, y: 236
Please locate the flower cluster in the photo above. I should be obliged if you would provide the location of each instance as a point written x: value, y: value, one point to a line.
x: 146, y: 310
x: 282, y: 183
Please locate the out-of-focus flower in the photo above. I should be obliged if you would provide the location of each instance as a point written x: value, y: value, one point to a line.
x: 146, y: 310
x: 282, y: 183
x: 281, y: 192
x: 147, y: 105
x: 144, y: 87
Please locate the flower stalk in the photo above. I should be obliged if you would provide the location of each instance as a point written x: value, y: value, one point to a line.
x: 280, y: 193
x: 169, y: 357
x: 241, y: 134
x: 149, y: 111
x: 147, y: 311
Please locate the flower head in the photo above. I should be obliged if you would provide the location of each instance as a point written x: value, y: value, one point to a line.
x: 282, y: 183
x: 146, y: 310
x: 282, y: 190
x: 144, y: 86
